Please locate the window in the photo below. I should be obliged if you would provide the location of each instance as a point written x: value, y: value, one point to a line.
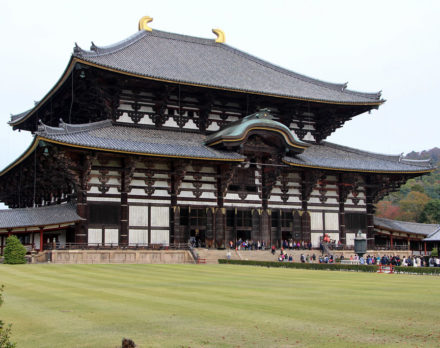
x: 286, y: 219
x: 104, y: 214
x: 355, y: 222
x: 244, y: 218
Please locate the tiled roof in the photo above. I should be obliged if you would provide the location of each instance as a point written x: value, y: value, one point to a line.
x: 174, y: 143
x: 331, y: 156
x: 192, y: 60
x: 106, y: 136
x: 40, y: 216
x: 405, y: 226
x: 433, y: 237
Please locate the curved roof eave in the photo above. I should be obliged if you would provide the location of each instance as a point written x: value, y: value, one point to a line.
x: 359, y: 170
x: 23, y: 156
x: 55, y: 88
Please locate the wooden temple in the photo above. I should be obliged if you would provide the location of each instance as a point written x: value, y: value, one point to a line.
x: 163, y: 138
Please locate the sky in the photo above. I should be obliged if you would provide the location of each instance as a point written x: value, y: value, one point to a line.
x: 393, y: 46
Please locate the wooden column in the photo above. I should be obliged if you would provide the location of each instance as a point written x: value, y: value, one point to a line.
x: 41, y: 239
x: 391, y: 241
x: 370, y: 193
x: 265, y: 227
x: 2, y: 238
x: 342, y: 193
x: 127, y: 170
x: 81, y: 208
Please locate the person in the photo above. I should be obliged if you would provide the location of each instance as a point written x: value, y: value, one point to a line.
x: 228, y: 255
x: 303, y: 260
x: 290, y: 258
x: 273, y: 249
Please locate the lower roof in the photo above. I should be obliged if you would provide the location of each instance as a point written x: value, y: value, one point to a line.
x: 405, y: 226
x: 129, y: 139
x: 39, y: 216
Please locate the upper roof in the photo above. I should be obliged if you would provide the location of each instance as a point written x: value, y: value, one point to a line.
x: 405, y: 226
x: 192, y: 60
x: 188, y: 60
x: 40, y: 216
x: 337, y: 157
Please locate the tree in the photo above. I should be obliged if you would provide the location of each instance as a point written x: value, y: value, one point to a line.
x: 431, y: 212
x: 412, y: 206
x: 388, y: 210
x: 14, y: 252
x: 5, y: 331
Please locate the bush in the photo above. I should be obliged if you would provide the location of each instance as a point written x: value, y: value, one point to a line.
x: 332, y: 267
x: 5, y: 331
x: 434, y: 252
x: 14, y: 252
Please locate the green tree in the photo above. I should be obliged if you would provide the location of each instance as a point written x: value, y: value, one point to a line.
x: 14, y: 252
x: 412, y: 206
x: 5, y: 330
x: 431, y: 212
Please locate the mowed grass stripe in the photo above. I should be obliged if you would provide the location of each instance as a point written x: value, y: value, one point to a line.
x: 215, y: 305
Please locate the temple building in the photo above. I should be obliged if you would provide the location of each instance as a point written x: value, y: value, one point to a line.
x: 163, y: 138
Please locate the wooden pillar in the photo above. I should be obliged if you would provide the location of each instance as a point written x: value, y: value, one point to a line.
x: 425, y: 248
x: 125, y: 182
x: 41, y: 239
x: 265, y: 226
x: 391, y: 241
x: 220, y: 228
x: 2, y: 239
x: 370, y: 219
x: 409, y: 244
x: 342, y: 193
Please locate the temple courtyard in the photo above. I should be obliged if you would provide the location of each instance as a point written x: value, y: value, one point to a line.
x: 217, y: 306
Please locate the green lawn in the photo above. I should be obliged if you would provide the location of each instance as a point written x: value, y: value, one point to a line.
x: 217, y: 306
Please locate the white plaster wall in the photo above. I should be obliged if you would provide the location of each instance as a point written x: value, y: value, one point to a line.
x: 350, y: 238
x: 315, y: 239
x: 138, y: 215
x: 137, y: 237
x: 160, y: 237
x: 95, y: 236
x: 160, y: 217
x: 103, y: 199
x: 316, y: 221
x: 331, y: 221
x: 111, y: 236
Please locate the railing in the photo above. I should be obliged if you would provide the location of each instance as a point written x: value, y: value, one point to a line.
x: 114, y: 246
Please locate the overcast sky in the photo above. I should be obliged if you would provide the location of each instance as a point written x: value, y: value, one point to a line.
x: 393, y: 46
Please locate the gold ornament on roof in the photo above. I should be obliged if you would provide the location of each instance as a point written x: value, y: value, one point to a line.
x: 220, y: 35
x: 143, y: 23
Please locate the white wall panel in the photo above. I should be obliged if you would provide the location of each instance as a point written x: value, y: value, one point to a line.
x: 316, y: 221
x: 137, y: 237
x: 138, y: 215
x: 350, y: 238
x: 95, y: 236
x: 111, y: 236
x: 331, y: 221
x: 315, y: 239
x: 160, y: 216
x: 160, y: 237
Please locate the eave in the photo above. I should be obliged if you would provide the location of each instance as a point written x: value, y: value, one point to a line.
x: 75, y: 60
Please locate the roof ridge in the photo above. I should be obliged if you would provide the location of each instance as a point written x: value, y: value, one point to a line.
x: 67, y: 128
x: 406, y: 222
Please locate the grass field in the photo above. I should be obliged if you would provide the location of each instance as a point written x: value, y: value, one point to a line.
x: 217, y: 306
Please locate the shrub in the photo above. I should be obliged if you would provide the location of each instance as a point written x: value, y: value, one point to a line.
x: 5, y: 331
x: 434, y: 252
x: 14, y: 252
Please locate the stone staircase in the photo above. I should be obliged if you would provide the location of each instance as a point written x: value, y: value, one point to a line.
x: 212, y: 255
